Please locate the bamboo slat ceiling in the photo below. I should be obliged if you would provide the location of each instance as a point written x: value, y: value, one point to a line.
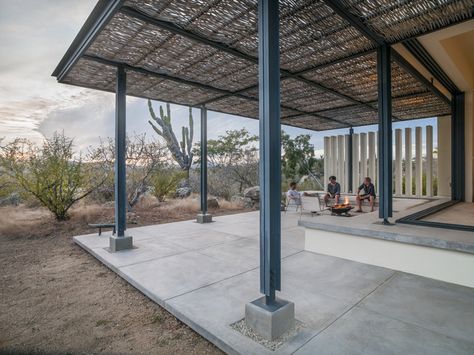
x: 329, y: 77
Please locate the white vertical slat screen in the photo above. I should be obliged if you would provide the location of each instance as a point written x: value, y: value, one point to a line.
x: 364, y: 160
x: 408, y: 162
x: 340, y: 160
x: 327, y: 159
x: 363, y: 156
x: 429, y: 160
x: 372, y: 158
x: 398, y: 162
x: 418, y: 162
x: 355, y: 161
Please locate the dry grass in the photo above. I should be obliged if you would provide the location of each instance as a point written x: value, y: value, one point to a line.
x: 16, y: 223
x: 23, y: 221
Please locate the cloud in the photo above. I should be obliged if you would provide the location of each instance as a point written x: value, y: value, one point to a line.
x: 34, y: 35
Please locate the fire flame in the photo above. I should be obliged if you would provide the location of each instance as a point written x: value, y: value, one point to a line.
x: 344, y: 204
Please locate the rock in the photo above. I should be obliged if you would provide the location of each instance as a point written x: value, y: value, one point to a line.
x: 212, y: 202
x: 183, y: 192
x: 252, y: 193
x: 11, y: 200
x: 251, y: 197
x: 249, y: 203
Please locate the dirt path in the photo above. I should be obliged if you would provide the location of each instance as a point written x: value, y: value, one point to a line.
x: 55, y: 298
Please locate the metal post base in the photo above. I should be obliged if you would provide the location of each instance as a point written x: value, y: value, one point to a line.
x: 270, y: 320
x: 386, y: 222
x: 204, y: 218
x: 120, y: 243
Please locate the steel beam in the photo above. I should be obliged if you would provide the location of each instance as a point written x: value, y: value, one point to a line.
x: 120, y: 153
x: 458, y: 148
x: 98, y: 19
x: 422, y: 55
x: 385, y: 130
x: 304, y: 71
x: 171, y: 27
x: 196, y: 84
x: 203, y: 160
x: 355, y: 21
x: 358, y: 23
x: 420, y: 77
x: 270, y: 148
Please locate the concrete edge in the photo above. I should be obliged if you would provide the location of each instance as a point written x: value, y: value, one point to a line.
x: 394, y: 237
x: 221, y: 344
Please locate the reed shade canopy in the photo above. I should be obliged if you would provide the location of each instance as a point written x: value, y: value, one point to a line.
x: 204, y: 52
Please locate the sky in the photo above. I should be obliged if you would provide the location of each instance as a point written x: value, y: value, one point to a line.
x: 34, y: 35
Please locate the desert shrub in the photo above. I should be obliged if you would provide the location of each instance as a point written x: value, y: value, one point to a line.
x: 163, y: 182
x: 143, y: 157
x: 51, y: 174
x: 233, y: 163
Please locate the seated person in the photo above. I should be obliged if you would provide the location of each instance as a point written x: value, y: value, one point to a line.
x: 366, y: 191
x: 294, y: 197
x: 334, y: 190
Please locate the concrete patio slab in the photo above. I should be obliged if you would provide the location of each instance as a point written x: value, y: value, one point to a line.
x: 205, y: 274
x: 363, y: 332
x: 177, y: 274
x: 445, y: 308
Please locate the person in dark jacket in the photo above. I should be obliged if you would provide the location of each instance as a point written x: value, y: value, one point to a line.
x: 366, y: 192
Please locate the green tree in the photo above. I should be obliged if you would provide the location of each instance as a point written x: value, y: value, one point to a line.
x: 49, y: 173
x: 234, y: 158
x: 164, y: 182
x: 297, y: 156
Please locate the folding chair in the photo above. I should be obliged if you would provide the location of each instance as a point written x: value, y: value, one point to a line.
x: 292, y: 202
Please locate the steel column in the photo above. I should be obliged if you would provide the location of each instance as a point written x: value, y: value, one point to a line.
x: 457, y: 148
x: 120, y: 153
x: 203, y: 160
x: 385, y: 130
x: 350, y: 164
x: 270, y: 149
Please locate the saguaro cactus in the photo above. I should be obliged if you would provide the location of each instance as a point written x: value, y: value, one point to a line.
x: 182, y: 151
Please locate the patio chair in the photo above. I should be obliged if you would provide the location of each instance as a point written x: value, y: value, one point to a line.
x: 313, y: 204
x: 291, y: 202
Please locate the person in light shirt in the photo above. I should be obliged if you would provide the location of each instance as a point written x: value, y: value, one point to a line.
x: 294, y: 197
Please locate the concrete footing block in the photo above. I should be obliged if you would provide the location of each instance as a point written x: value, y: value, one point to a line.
x: 270, y: 321
x: 120, y: 243
x: 204, y: 218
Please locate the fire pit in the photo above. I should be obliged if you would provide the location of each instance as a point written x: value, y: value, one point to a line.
x: 342, y: 209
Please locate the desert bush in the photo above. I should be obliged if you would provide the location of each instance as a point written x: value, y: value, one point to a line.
x: 49, y: 173
x: 143, y: 157
x: 163, y: 182
x: 233, y: 163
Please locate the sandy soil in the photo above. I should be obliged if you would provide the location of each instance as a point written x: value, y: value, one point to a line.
x: 55, y: 298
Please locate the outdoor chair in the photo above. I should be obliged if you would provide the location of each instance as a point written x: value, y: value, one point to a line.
x: 292, y: 202
x: 313, y: 204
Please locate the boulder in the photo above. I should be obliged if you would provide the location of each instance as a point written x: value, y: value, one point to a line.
x: 183, y: 192
x: 212, y: 202
x: 253, y: 193
x: 11, y: 200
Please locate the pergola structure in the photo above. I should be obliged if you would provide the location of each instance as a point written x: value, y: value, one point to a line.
x: 319, y: 65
